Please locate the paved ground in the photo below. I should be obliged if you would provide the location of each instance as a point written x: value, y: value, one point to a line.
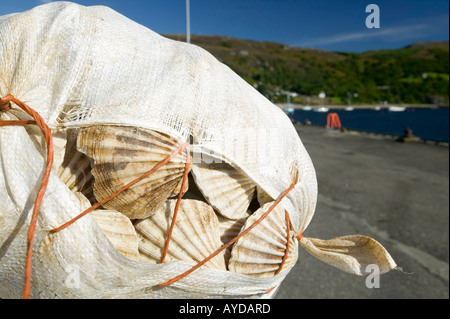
x: 397, y: 193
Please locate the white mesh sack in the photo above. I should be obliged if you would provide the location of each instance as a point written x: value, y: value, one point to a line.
x: 120, y: 98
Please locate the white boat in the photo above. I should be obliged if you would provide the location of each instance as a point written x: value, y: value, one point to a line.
x: 397, y: 108
x: 321, y: 109
x: 349, y: 108
x: 307, y: 108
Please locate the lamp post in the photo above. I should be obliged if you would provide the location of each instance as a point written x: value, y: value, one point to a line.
x: 188, y: 23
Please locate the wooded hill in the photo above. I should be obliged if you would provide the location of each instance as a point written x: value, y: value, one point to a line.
x: 418, y: 73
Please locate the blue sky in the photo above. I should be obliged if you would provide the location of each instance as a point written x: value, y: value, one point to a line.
x: 336, y: 25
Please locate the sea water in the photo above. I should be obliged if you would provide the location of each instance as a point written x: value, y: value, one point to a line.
x: 426, y: 123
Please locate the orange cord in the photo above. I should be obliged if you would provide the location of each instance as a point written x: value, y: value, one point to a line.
x: 17, y: 122
x: 177, y: 205
x: 156, y: 167
x: 5, y: 106
x: 223, y: 247
x: 268, y: 291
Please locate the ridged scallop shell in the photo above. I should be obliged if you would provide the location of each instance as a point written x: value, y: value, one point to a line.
x: 195, y: 235
x: 226, y: 189
x: 260, y: 252
x: 119, y: 230
x: 230, y: 228
x: 121, y: 154
x: 59, y: 147
x: 75, y: 167
x: 116, y: 227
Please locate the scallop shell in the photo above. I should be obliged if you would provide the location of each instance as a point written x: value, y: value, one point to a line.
x: 230, y: 228
x: 226, y: 189
x: 119, y: 230
x: 116, y: 227
x: 195, y: 235
x: 75, y: 167
x: 121, y: 154
x: 59, y: 147
x: 260, y: 252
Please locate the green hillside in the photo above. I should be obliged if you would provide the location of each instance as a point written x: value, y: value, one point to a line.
x: 418, y: 73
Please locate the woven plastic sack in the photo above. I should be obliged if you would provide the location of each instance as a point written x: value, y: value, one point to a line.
x: 80, y: 66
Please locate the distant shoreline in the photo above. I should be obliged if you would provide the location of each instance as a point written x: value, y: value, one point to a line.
x: 392, y: 137
x: 357, y: 106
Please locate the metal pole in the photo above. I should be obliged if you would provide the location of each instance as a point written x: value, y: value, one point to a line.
x: 188, y: 23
